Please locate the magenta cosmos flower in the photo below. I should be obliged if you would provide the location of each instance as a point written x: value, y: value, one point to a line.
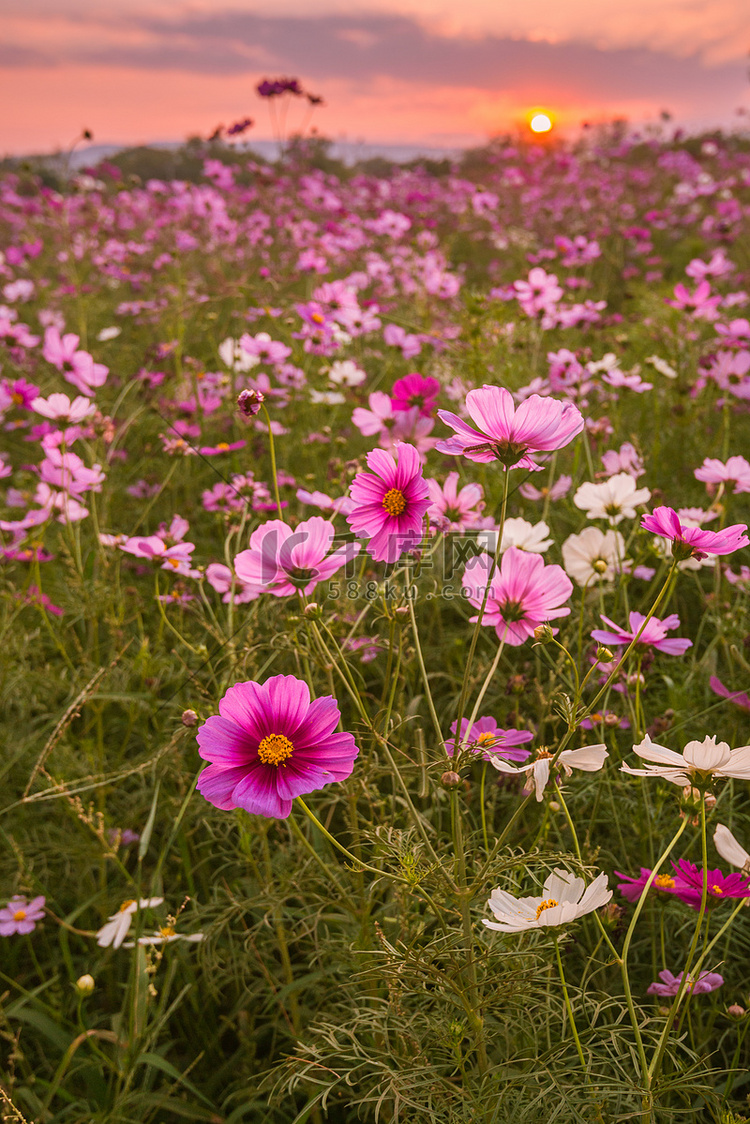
x: 415, y: 390
x: 524, y: 593
x: 487, y: 738
x: 283, y: 561
x: 694, y: 542
x: 20, y: 915
x: 689, y: 884
x: 508, y: 434
x: 390, y: 502
x: 654, y: 634
x: 670, y: 985
x: 270, y: 743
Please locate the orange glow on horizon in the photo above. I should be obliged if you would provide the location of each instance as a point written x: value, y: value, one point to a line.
x: 540, y: 123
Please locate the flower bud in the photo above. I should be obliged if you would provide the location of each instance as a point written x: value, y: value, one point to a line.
x: 599, y: 565
x: 710, y: 801
x: 84, y: 985
x: 691, y: 799
x: 543, y: 633
x: 313, y: 610
x: 450, y: 780
x: 249, y: 402
x: 735, y: 1011
x: 611, y: 720
x: 604, y: 655
x: 189, y: 718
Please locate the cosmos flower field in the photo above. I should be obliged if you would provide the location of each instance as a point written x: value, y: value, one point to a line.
x: 375, y: 638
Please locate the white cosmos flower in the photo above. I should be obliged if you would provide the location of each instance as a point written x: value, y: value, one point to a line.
x: 565, y: 898
x: 108, y: 334
x: 590, y: 759
x: 729, y: 849
x: 662, y: 366
x: 706, y: 758
x: 614, y: 499
x: 519, y: 533
x: 593, y: 555
x: 345, y: 372
x: 326, y: 397
x: 165, y: 935
x: 116, y: 929
x: 235, y: 357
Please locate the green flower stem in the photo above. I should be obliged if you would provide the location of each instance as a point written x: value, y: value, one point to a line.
x: 422, y: 668
x: 482, y: 808
x: 272, y: 449
x: 657, y: 1059
x: 340, y: 664
x: 488, y: 679
x: 470, y: 966
x: 328, y: 870
x: 475, y: 635
x: 340, y: 847
x: 571, y: 825
x: 626, y: 948
x: 569, y: 1008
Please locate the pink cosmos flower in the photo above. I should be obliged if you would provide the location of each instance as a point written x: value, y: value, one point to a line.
x: 271, y: 743
x: 670, y: 985
x: 739, y: 698
x: 694, y: 542
x: 20, y: 392
x: 632, y: 888
x: 654, y: 634
x: 689, y: 884
x: 222, y: 447
x: 391, y: 502
x: 558, y: 491
x: 415, y: 390
x: 220, y: 578
x: 78, y: 367
x: 486, y: 738
x: 60, y: 408
x: 396, y: 336
x: 326, y: 503
x: 20, y: 915
x: 508, y: 434
x: 736, y: 471
x: 452, y: 510
x: 524, y: 593
x: 265, y: 348
x: 283, y: 561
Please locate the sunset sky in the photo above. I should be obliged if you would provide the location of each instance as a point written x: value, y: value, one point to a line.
x: 429, y: 72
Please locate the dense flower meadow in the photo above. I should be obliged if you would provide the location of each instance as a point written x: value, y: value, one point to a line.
x: 375, y: 628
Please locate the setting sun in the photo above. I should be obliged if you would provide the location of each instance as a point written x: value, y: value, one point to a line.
x: 540, y: 123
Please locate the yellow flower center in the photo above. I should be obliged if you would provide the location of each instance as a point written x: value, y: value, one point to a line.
x: 274, y: 749
x: 223, y: 446
x: 126, y: 905
x: 317, y: 318
x: 394, y: 501
x: 716, y: 889
x: 166, y: 931
x: 548, y: 903
x: 16, y: 398
x: 19, y: 915
x: 664, y: 882
x: 174, y: 562
x: 486, y: 739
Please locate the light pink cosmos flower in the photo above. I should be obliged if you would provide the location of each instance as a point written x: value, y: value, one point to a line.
x: 176, y: 557
x: 735, y: 471
x: 454, y: 510
x: 20, y: 915
x: 558, y: 491
x: 220, y: 578
x: 391, y: 502
x: 485, y: 737
x: 326, y: 503
x: 283, y: 561
x: 524, y: 593
x: 508, y: 434
x: 694, y: 542
x: 58, y: 407
x: 654, y: 634
x: 78, y: 367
